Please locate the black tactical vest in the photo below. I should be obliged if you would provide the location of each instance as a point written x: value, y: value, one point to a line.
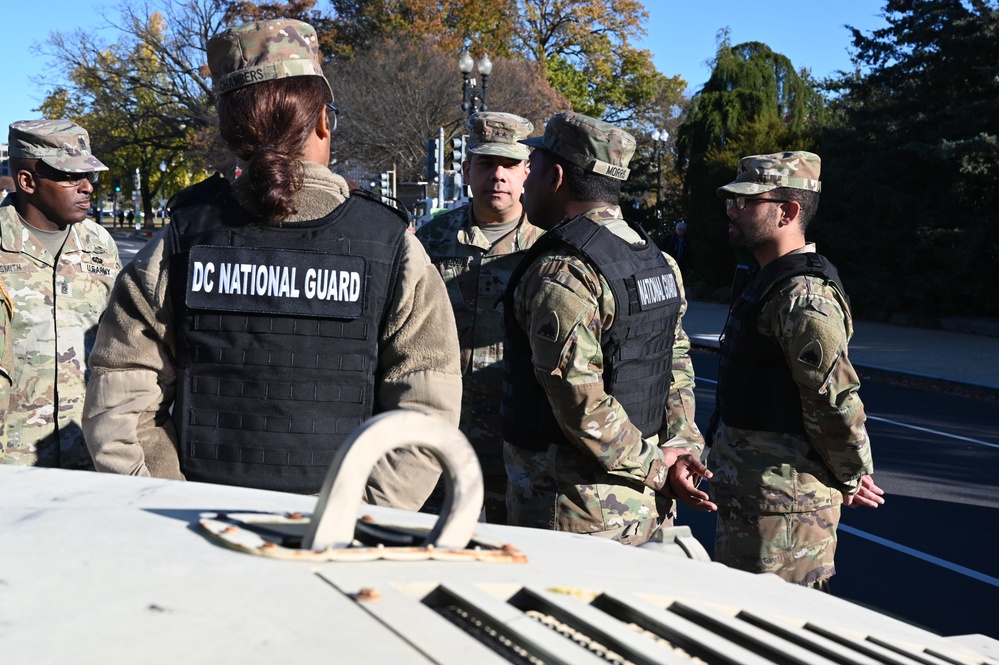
x: 637, y: 349
x: 755, y: 387
x: 277, y: 335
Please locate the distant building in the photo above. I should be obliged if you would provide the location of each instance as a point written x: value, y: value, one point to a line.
x: 6, y: 181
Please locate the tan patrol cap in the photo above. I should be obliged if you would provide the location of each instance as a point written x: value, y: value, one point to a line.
x: 492, y: 133
x: 63, y: 145
x: 762, y: 173
x: 264, y: 51
x: 591, y: 144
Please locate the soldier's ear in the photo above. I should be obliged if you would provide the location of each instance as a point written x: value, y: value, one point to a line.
x: 556, y: 180
x: 25, y: 181
x: 791, y: 210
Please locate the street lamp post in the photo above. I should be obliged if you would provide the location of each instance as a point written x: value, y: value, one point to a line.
x: 473, y: 97
x: 659, y: 146
x: 163, y: 169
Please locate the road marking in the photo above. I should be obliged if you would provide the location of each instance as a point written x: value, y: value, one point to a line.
x: 929, y: 558
x: 933, y: 431
x: 915, y: 427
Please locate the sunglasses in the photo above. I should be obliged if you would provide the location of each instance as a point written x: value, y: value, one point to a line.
x: 68, y: 179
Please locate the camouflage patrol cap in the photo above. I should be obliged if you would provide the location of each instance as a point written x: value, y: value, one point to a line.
x: 63, y: 145
x: 761, y: 173
x: 491, y: 133
x: 591, y: 144
x: 264, y: 51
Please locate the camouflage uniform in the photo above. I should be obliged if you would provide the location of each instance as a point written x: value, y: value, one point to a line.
x: 49, y: 314
x: 607, y: 483
x: 476, y: 274
x: 779, y: 495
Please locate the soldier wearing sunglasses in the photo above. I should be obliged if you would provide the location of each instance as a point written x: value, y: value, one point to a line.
x: 56, y: 272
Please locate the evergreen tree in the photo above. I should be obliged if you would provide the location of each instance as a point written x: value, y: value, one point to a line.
x: 911, y: 167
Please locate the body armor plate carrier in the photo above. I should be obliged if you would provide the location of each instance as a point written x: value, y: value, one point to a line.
x: 755, y: 387
x: 277, y: 335
x: 637, y: 349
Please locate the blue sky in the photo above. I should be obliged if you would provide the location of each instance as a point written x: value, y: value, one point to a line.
x: 681, y: 35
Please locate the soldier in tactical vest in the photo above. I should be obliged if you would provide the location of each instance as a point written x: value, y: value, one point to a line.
x: 274, y: 314
x: 56, y: 272
x: 790, y: 446
x: 476, y: 247
x: 598, y: 396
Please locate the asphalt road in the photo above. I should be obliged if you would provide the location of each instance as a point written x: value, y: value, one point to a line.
x: 928, y: 556
x: 128, y: 246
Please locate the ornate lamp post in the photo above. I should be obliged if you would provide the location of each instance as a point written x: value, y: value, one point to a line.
x: 473, y: 97
x: 659, y: 147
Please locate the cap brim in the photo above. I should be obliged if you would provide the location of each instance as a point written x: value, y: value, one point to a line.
x: 534, y: 141
x: 510, y: 150
x: 81, y: 164
x: 744, y: 189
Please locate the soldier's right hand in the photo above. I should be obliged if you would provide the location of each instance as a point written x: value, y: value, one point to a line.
x: 683, y: 478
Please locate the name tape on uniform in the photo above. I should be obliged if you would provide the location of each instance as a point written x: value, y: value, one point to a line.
x: 276, y: 281
x: 656, y: 288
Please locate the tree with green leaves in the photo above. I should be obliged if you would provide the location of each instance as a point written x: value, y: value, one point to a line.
x: 911, y: 163
x: 754, y: 102
x: 143, y: 97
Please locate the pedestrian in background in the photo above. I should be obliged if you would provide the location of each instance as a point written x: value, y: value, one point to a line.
x: 679, y: 247
x: 598, y: 398
x: 791, y: 446
x: 476, y: 247
x: 57, y: 269
x: 274, y: 314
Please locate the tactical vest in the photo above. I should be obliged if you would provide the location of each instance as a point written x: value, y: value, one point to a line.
x: 755, y: 388
x: 637, y: 349
x: 277, y: 335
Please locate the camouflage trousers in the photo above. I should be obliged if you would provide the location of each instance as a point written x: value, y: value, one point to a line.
x: 798, y: 547
x: 554, y: 489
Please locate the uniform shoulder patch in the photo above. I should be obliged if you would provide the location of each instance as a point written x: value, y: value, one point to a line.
x: 548, y: 328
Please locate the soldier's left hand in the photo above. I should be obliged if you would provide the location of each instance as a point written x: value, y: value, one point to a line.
x: 683, y: 477
x: 869, y: 495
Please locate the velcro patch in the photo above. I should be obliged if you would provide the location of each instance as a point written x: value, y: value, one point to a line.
x: 276, y: 281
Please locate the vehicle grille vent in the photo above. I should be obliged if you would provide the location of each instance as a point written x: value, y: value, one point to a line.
x: 533, y: 625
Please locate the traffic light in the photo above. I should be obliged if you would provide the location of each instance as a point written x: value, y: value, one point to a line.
x: 432, y: 172
x: 458, y: 144
x: 116, y: 183
x: 386, y: 187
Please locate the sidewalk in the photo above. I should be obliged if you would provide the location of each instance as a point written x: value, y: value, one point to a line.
x: 972, y: 361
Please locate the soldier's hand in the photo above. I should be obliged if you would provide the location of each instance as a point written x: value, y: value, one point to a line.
x: 683, y: 478
x: 869, y: 495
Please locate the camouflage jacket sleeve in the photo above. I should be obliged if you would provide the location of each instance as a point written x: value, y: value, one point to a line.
x: 573, y: 304
x: 810, y: 320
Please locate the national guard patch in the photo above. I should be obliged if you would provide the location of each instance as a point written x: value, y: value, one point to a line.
x: 276, y: 281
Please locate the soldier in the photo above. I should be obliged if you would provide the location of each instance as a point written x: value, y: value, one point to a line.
x: 56, y: 272
x: 598, y: 410
x: 272, y: 315
x: 790, y: 445
x: 476, y: 247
